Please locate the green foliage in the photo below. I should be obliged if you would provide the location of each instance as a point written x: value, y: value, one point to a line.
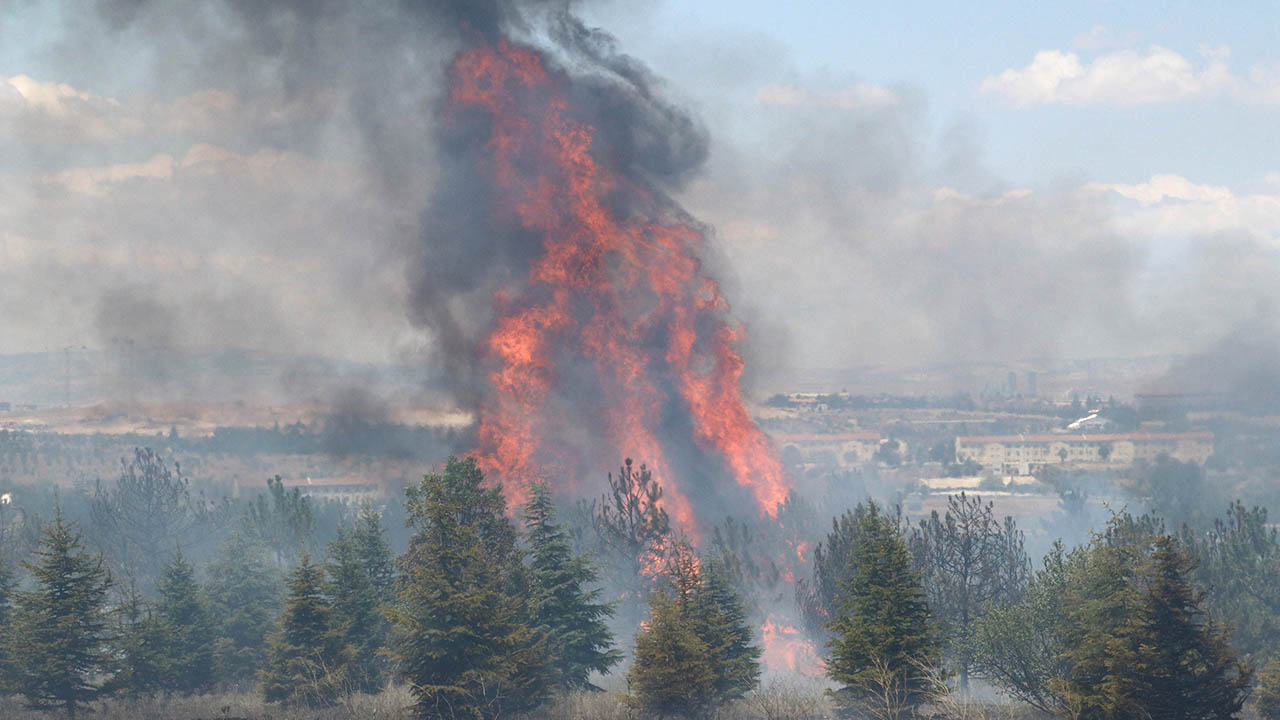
x: 461, y: 634
x: 141, y: 648
x: 281, y: 520
x: 184, y: 621
x: 1266, y: 697
x: 243, y: 590
x: 1238, y: 565
x: 633, y: 529
x: 834, y: 564
x: 305, y: 657
x: 721, y: 621
x: 671, y: 675
x: 566, y: 602
x: 8, y: 582
x: 883, y: 649
x: 970, y: 562
x: 148, y: 511
x: 1137, y: 641
x: 1177, y: 664
x: 1019, y: 647
x: 60, y: 627
x: 357, y: 616
x: 370, y: 538
x: 695, y: 651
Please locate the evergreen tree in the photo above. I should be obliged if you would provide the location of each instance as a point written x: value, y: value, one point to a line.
x: 883, y: 648
x: 721, y: 621
x: 1266, y: 696
x: 370, y: 538
x: 833, y: 566
x: 695, y: 652
x: 671, y: 674
x: 1100, y: 596
x: 243, y: 590
x: 633, y: 530
x: 566, y: 605
x: 281, y: 520
x: 1019, y: 648
x: 305, y: 658
x: 141, y: 646
x: 8, y: 582
x: 1179, y: 666
x: 357, y: 617
x: 188, y: 632
x: 461, y: 633
x: 61, y: 625
x: 148, y: 510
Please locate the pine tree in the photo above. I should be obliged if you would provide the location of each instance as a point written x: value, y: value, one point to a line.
x: 672, y: 674
x: 8, y: 582
x: 695, y: 651
x: 180, y: 611
x: 243, y: 589
x: 971, y: 562
x: 370, y: 539
x: 1267, y: 695
x: 461, y: 633
x: 61, y: 625
x: 883, y: 647
x: 1101, y: 595
x: 141, y: 645
x: 721, y: 622
x: 1179, y: 667
x: 305, y: 658
x: 356, y: 611
x: 566, y: 605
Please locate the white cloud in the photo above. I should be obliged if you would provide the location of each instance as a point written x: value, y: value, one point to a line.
x: 1129, y: 77
x: 1172, y: 205
x: 858, y: 96
x: 94, y: 180
x: 34, y: 109
x: 54, y: 98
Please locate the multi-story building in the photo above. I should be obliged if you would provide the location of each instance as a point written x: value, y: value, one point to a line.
x: 1020, y: 453
x: 850, y: 448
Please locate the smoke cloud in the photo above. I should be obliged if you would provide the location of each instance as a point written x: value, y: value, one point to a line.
x: 273, y: 177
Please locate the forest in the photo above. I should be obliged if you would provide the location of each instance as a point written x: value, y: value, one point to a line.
x: 145, y: 597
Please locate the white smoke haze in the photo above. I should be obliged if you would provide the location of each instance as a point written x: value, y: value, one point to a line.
x: 258, y: 175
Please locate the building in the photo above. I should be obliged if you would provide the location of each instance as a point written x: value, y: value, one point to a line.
x: 1020, y: 453
x: 345, y: 489
x: 851, y: 448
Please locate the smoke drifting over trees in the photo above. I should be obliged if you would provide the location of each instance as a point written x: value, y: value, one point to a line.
x: 261, y: 175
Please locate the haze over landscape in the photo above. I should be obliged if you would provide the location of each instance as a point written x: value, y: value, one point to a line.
x: 718, y: 314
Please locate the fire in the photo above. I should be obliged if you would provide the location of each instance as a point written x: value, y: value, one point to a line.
x: 787, y: 649
x: 616, y: 287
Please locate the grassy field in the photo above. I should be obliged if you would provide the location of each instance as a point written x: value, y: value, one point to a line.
x: 774, y: 701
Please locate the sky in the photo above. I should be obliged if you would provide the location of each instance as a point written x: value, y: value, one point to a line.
x: 887, y: 183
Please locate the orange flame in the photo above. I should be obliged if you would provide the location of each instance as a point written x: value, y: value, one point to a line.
x: 787, y: 649
x: 608, y: 286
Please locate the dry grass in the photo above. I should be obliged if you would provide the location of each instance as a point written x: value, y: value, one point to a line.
x: 390, y: 704
x: 776, y: 700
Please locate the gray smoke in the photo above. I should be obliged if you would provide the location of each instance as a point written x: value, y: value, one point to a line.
x: 264, y: 173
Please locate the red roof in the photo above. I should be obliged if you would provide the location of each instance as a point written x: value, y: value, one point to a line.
x: 1088, y: 437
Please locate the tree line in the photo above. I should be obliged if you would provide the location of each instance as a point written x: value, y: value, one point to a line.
x: 487, y: 613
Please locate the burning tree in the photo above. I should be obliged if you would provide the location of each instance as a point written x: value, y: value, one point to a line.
x: 633, y: 529
x: 696, y: 649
